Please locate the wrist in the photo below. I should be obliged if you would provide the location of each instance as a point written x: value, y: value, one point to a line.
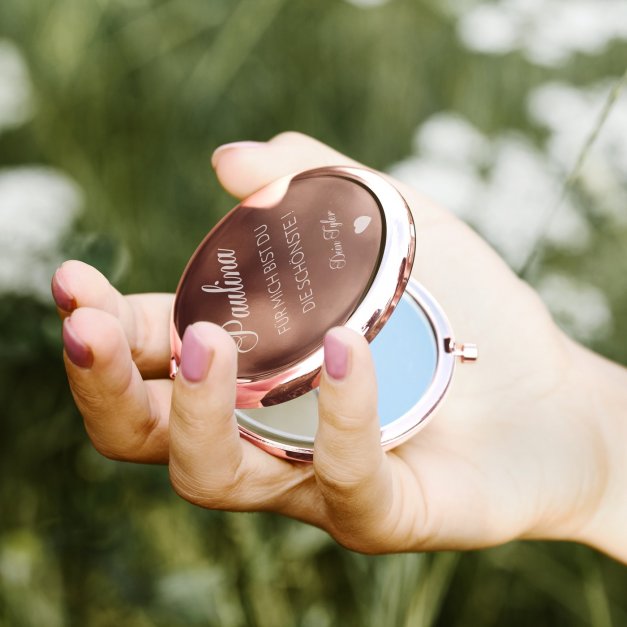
x: 607, y: 413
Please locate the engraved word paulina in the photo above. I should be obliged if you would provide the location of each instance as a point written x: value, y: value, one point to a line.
x: 233, y: 287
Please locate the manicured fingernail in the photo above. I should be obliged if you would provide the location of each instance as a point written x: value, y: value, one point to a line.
x: 195, y: 356
x: 61, y: 295
x: 233, y: 145
x: 335, y: 356
x: 79, y: 353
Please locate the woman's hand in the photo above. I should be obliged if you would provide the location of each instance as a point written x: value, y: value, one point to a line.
x: 528, y: 443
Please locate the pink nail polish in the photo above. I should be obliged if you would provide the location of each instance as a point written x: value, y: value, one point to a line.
x: 62, y: 297
x: 195, y: 357
x: 79, y: 353
x: 335, y: 357
x: 232, y: 146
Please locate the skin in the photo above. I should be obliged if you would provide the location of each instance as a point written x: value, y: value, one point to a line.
x: 529, y: 443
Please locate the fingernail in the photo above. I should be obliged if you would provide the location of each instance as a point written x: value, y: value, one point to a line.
x: 61, y: 295
x: 335, y: 356
x: 233, y: 145
x: 79, y: 353
x: 195, y: 357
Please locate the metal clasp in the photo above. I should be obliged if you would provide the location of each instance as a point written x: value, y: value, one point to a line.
x: 466, y: 352
x: 174, y: 367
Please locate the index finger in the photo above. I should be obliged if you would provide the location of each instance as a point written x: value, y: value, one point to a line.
x: 145, y: 318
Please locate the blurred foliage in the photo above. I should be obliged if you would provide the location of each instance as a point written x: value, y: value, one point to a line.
x: 131, y: 99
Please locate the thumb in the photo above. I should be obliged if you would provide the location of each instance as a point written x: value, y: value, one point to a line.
x: 351, y: 468
x: 245, y: 167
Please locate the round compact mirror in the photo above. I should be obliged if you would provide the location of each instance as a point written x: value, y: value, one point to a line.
x: 321, y: 248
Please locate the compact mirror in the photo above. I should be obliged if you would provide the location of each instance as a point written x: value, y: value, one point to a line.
x: 321, y: 248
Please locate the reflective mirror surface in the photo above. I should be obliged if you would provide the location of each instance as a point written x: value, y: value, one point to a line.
x: 405, y: 355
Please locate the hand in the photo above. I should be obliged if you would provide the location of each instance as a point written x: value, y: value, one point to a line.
x: 515, y: 451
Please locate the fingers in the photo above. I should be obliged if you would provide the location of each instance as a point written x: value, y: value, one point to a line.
x: 210, y: 465
x: 352, y: 471
x: 144, y: 317
x: 125, y: 418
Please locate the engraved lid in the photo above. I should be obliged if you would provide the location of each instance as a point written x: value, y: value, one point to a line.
x: 321, y: 248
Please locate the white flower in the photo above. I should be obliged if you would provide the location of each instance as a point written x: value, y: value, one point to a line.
x: 450, y: 138
x: 516, y: 211
x: 449, y: 151
x: 570, y: 114
x: 506, y: 188
x: 37, y: 205
x: 547, y: 32
x: 490, y: 28
x: 453, y: 187
x: 15, y: 87
x: 37, y: 209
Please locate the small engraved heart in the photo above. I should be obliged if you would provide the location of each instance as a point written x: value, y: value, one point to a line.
x: 361, y: 223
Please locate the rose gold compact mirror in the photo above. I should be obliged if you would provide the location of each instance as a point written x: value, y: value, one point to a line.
x: 322, y: 248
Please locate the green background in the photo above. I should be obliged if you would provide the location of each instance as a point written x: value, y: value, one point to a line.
x: 131, y: 99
